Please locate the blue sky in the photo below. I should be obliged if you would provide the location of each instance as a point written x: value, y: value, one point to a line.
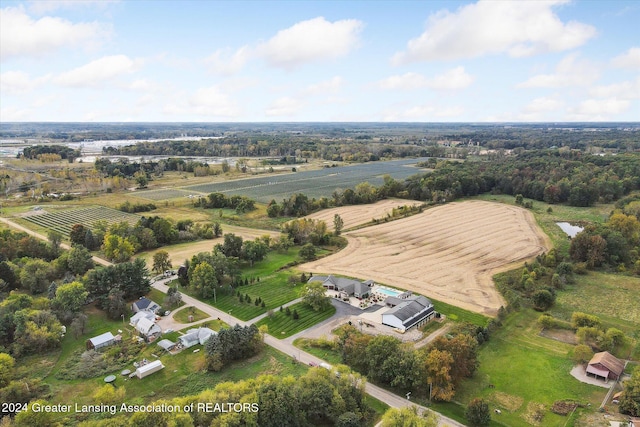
x: 417, y: 61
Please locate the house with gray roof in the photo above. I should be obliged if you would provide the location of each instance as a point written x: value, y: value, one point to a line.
x: 349, y: 287
x: 196, y: 336
x: 144, y: 304
x: 133, y: 321
x: 413, y: 311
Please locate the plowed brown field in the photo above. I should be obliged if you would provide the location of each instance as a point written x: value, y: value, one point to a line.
x: 360, y: 214
x: 449, y: 252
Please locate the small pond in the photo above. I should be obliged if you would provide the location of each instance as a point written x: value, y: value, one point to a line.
x: 570, y: 230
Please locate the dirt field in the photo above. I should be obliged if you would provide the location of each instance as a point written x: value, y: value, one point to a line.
x: 178, y: 253
x: 360, y: 214
x: 449, y: 252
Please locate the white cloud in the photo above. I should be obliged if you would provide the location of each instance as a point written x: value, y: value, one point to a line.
x: 630, y: 59
x: 225, y: 62
x: 332, y: 85
x: 212, y: 102
x: 599, y: 109
x: 312, y: 40
x: 41, y: 7
x: 455, y: 78
x: 14, y: 114
x: 623, y: 90
x: 285, y: 106
x: 422, y: 113
x: 98, y: 71
x: 568, y: 72
x: 22, y: 36
x: 518, y: 28
x: 543, y: 105
x: 18, y: 82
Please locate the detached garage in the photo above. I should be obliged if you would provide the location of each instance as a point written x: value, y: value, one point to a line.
x: 149, y: 368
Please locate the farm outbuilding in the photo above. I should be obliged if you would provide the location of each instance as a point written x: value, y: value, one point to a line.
x: 148, y: 328
x: 101, y: 341
x: 166, y: 345
x: 149, y: 368
x: 605, y: 365
x: 413, y: 311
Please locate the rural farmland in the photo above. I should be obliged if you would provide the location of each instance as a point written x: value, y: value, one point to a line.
x: 353, y: 216
x: 449, y: 252
x: 62, y: 221
x: 316, y: 183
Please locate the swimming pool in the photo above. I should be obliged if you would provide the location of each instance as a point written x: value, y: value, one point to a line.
x: 389, y: 292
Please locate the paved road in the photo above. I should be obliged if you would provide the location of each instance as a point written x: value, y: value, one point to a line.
x: 286, y: 347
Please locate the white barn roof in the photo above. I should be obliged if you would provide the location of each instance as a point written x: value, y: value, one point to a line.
x: 102, y: 340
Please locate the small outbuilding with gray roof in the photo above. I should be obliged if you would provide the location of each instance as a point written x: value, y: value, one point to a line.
x: 101, y: 341
x: 413, y: 311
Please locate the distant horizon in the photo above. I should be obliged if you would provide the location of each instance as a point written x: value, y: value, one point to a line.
x: 440, y: 61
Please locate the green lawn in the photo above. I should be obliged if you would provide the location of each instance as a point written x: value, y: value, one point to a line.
x: 330, y: 355
x: 282, y: 326
x: 526, y: 369
x: 459, y: 314
x: 273, y: 288
x: 612, y: 297
x: 182, y: 316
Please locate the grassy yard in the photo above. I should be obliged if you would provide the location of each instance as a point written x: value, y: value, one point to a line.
x: 459, y: 314
x: 182, y: 316
x: 273, y: 288
x: 612, y: 297
x: 526, y: 370
x: 328, y: 354
x: 283, y: 326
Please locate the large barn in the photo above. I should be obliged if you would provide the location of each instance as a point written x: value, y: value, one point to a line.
x: 605, y: 365
x: 413, y: 311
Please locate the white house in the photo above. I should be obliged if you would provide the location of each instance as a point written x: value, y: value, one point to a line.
x: 133, y: 321
x: 413, y: 311
x: 196, y: 336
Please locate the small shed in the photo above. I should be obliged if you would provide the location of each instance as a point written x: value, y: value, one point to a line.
x: 100, y: 341
x: 605, y: 365
x: 149, y: 368
x: 166, y: 345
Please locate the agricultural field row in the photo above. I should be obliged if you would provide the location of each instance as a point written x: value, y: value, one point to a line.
x: 316, y: 183
x: 62, y: 221
x: 164, y: 194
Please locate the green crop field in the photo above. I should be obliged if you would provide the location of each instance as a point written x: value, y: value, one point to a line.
x: 165, y: 194
x: 62, y: 220
x: 316, y: 183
